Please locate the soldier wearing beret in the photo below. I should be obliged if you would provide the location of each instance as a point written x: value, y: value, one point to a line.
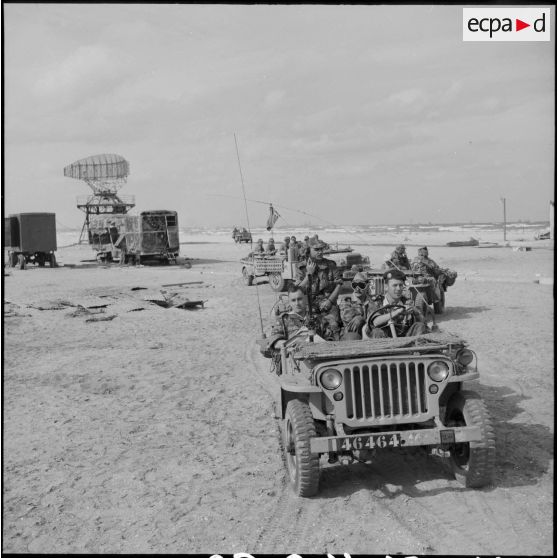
x: 322, y: 277
x: 400, y: 312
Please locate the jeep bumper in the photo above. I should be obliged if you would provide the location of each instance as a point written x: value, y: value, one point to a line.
x: 396, y: 439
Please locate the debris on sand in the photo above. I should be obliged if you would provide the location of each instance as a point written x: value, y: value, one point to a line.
x: 12, y: 310
x: 182, y: 284
x: 175, y: 300
x: 107, y: 318
x: 52, y: 305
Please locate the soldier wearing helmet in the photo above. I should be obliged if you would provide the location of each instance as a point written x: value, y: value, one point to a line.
x: 353, y: 309
x: 399, y: 259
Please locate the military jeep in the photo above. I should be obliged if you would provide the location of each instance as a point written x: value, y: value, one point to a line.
x: 349, y: 400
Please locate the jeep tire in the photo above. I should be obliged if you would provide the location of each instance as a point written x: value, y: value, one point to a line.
x: 472, y: 463
x: 248, y: 279
x: 277, y: 282
x: 441, y: 304
x: 303, y: 467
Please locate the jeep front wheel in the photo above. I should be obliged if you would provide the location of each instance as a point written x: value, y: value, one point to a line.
x: 440, y: 305
x: 276, y: 282
x: 472, y: 463
x: 248, y: 279
x: 303, y: 467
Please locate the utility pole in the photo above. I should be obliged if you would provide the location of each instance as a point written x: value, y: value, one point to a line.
x: 503, y: 200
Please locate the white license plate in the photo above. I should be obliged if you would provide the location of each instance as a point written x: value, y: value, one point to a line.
x: 371, y: 441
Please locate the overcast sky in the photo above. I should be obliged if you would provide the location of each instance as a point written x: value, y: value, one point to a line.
x: 356, y: 114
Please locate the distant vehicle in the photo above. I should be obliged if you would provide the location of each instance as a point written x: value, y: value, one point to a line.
x: 471, y: 242
x: 151, y: 235
x: 30, y: 238
x: 348, y: 261
x: 242, y: 235
x: 543, y: 235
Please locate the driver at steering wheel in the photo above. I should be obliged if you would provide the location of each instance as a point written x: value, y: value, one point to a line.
x: 393, y: 315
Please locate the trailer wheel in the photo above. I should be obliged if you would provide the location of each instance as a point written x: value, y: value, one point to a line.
x: 303, y: 467
x: 276, y: 282
x: 21, y: 261
x: 13, y: 259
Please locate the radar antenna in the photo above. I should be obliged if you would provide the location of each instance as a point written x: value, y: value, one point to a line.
x: 105, y: 174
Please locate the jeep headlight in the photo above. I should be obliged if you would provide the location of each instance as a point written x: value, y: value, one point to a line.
x: 331, y: 378
x: 438, y: 370
x: 465, y: 357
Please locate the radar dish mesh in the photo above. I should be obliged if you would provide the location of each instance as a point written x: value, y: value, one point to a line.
x: 107, y: 166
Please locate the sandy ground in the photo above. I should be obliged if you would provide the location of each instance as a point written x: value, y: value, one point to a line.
x: 157, y: 430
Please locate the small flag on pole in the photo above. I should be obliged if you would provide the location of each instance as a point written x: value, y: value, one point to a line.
x: 272, y: 219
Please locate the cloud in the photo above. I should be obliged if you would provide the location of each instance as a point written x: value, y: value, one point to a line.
x: 273, y: 99
x: 89, y: 68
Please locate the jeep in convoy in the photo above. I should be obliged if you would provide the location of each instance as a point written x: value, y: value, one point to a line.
x: 281, y: 270
x: 348, y: 401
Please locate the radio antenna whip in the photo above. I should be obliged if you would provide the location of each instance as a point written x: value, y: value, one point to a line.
x: 249, y: 229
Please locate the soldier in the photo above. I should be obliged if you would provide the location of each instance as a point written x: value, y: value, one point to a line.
x: 399, y: 258
x: 353, y: 309
x: 285, y: 326
x: 424, y: 265
x: 285, y: 246
x: 270, y: 249
x: 305, y: 248
x: 259, y: 248
x: 429, y: 269
x: 404, y: 319
x: 322, y: 278
x: 295, y: 246
x: 290, y: 322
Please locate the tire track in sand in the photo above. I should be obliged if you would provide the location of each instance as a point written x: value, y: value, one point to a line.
x: 291, y: 516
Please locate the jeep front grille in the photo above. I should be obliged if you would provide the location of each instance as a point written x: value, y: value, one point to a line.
x: 376, y: 391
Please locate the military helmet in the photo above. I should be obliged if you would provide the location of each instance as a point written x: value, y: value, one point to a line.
x: 360, y: 277
x: 400, y: 248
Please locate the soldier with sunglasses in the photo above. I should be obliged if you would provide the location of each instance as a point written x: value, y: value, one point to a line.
x: 354, y: 308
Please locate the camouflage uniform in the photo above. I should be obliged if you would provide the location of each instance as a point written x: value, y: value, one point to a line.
x: 349, y: 308
x: 259, y: 248
x: 404, y: 325
x: 324, y: 280
x: 399, y: 260
x: 425, y: 266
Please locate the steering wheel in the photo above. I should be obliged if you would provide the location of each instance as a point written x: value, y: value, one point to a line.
x: 408, y: 310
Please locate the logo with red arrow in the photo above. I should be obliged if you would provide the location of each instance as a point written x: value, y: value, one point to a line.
x: 506, y: 24
x: 519, y: 25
